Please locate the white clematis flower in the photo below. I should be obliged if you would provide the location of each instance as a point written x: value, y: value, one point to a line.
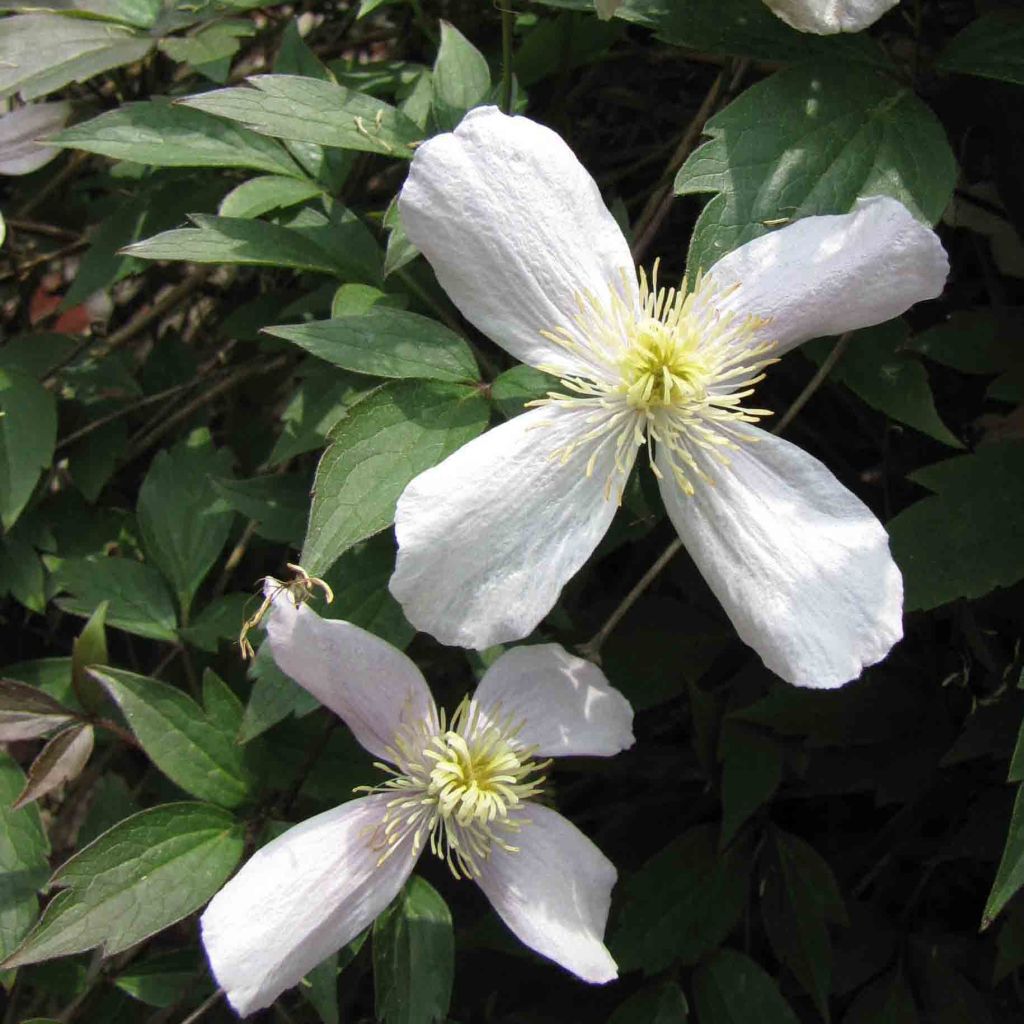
x: 827, y: 17
x: 519, y: 237
x: 462, y: 786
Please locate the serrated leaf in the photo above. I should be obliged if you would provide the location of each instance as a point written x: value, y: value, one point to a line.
x: 991, y: 46
x: 966, y: 539
x: 183, y: 528
x: 876, y: 367
x: 139, y: 601
x: 145, y: 874
x: 461, y: 78
x: 683, y: 902
x: 388, y: 438
x: 311, y: 110
x: 385, y: 342
x: 799, y: 896
x: 193, y: 747
x: 61, y: 760
x: 258, y: 196
x: 729, y: 988
x: 220, y: 620
x: 40, y: 53
x: 162, y: 135
x: 812, y: 140
x: 23, y: 864
x: 28, y: 433
x: 414, y: 957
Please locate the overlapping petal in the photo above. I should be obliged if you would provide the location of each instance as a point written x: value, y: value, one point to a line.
x: 825, y: 275
x: 372, y: 686
x: 554, y: 892
x: 800, y: 564
x: 826, y: 17
x: 488, y: 538
x: 566, y: 704
x: 516, y: 231
x: 298, y: 899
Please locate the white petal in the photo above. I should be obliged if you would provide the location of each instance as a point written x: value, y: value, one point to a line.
x: 298, y: 899
x: 566, y: 704
x: 516, y: 230
x: 825, y: 275
x: 801, y: 565
x: 373, y: 687
x: 826, y: 17
x: 554, y: 892
x: 20, y: 130
x: 487, y: 539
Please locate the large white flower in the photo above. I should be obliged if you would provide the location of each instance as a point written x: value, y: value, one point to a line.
x: 518, y: 236
x: 827, y: 17
x: 462, y: 786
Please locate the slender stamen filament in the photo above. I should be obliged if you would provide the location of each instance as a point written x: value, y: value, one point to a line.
x: 670, y: 367
x: 458, y: 785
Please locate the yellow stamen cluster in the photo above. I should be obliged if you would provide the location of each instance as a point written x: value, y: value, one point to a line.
x: 671, y: 368
x: 457, y: 785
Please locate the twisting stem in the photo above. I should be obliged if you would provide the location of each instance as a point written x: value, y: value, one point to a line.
x: 592, y: 648
x: 506, y: 58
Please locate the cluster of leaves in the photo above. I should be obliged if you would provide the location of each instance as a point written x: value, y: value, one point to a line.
x: 784, y: 855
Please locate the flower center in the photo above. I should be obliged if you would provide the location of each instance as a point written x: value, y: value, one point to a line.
x: 670, y: 369
x: 459, y: 783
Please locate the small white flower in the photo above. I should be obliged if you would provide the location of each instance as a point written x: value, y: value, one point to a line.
x: 827, y: 17
x: 519, y: 237
x: 461, y: 786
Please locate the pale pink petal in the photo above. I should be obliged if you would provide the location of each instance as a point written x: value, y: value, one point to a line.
x: 554, y: 892
x: 300, y: 898
x: 516, y: 231
x: 799, y: 563
x: 373, y: 687
x: 565, y: 703
x: 826, y: 17
x: 487, y: 539
x: 825, y: 275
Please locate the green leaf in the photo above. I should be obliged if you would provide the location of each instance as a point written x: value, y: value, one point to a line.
x: 162, y: 979
x: 211, y: 48
x: 237, y: 240
x: 751, y: 772
x: 414, y: 957
x: 183, y: 526
x: 258, y: 196
x: 980, y: 341
x: 511, y: 390
x: 657, y: 1004
x: 1010, y: 873
x: 61, y: 760
x: 278, y: 505
x: 145, y: 874
x: 745, y: 28
x: 27, y: 712
x: 89, y: 648
x: 886, y: 1001
x: 163, y: 135
x: 461, y: 78
x: 320, y: 987
x: 194, y: 748
x: 965, y: 540
x: 138, y: 598
x: 878, y: 369
x: 991, y: 46
x: 28, y: 433
x: 683, y: 902
x: 40, y: 53
x: 729, y: 988
x: 23, y: 865
x: 312, y: 110
x: 386, y: 342
x: 388, y: 438
x: 811, y: 140
x: 220, y: 620
x: 799, y: 896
